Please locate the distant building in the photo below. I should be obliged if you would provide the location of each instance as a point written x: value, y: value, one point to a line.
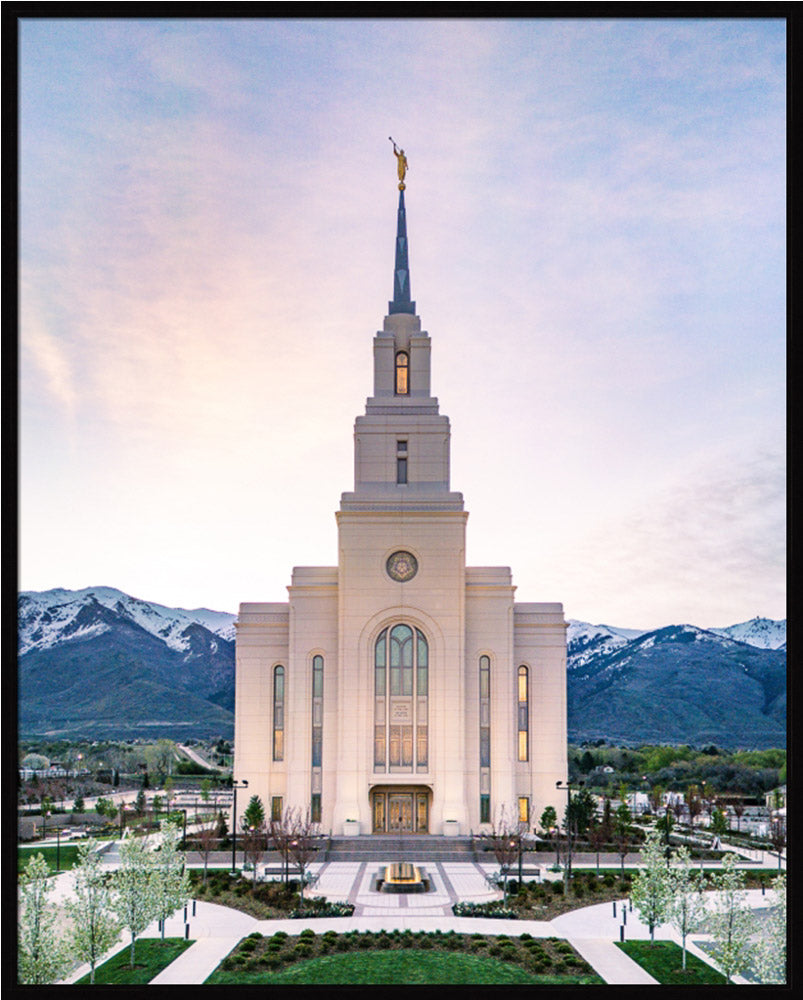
x: 402, y: 690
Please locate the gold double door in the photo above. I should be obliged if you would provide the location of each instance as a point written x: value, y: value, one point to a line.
x: 400, y: 811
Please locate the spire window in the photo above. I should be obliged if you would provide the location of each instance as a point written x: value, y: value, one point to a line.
x: 402, y: 374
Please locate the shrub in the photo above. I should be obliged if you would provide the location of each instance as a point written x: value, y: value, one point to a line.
x: 425, y: 942
x: 557, y: 888
x: 579, y: 890
x: 308, y: 932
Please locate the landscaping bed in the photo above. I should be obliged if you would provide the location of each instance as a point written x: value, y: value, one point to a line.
x: 402, y: 956
x: 151, y: 955
x: 663, y: 960
x: 263, y: 900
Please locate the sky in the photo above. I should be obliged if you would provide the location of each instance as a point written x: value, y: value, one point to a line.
x: 596, y: 219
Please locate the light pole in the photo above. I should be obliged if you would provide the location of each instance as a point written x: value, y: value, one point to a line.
x: 58, y: 845
x: 567, y: 871
x: 235, y: 786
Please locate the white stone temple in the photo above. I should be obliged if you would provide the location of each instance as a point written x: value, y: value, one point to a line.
x: 402, y: 690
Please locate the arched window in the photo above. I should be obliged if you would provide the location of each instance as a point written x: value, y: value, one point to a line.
x: 402, y: 372
x: 317, y: 710
x: 485, y: 739
x: 278, y: 713
x: 524, y: 713
x: 401, y: 676
x: 317, y: 738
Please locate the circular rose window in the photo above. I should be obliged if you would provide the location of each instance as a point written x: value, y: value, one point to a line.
x: 402, y: 566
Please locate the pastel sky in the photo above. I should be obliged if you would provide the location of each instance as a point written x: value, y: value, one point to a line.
x: 596, y: 214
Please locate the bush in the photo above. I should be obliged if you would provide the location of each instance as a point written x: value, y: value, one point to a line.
x: 557, y: 888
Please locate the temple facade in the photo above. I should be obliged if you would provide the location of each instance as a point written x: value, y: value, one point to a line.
x: 402, y: 690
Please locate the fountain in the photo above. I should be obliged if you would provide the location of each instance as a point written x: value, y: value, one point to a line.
x: 401, y: 876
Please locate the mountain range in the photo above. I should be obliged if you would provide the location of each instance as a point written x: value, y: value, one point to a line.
x: 99, y: 663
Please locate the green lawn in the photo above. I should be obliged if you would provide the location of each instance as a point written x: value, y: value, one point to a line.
x: 402, y: 966
x: 150, y: 957
x: 67, y: 856
x: 663, y: 961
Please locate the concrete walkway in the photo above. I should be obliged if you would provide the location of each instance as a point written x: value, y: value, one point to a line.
x: 592, y: 931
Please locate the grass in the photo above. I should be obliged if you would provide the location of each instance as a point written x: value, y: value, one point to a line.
x: 403, y: 966
x: 68, y: 854
x: 402, y: 956
x: 663, y: 960
x: 150, y: 957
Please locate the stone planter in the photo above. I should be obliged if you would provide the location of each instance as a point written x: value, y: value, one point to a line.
x: 451, y: 828
x: 351, y: 828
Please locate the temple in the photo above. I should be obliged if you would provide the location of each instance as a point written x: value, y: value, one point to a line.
x: 402, y: 690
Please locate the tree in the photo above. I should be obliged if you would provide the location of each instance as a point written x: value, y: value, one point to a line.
x: 505, y: 842
x: 171, y: 881
x: 548, y: 822
x: 141, y: 801
x: 738, y: 809
x: 41, y: 957
x: 778, y: 838
x: 169, y: 791
x: 597, y: 838
x: 622, y: 836
x: 694, y: 803
x: 35, y: 762
x: 650, y: 891
x: 95, y: 928
x: 207, y: 838
x: 304, y: 842
x: 686, y: 908
x: 134, y: 898
x: 78, y: 804
x: 770, y: 953
x: 719, y: 823
x: 254, y: 814
x: 731, y: 923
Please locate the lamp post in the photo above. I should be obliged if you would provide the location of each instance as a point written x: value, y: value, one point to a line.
x: 122, y: 819
x: 45, y: 814
x: 567, y: 871
x: 235, y: 786
x: 58, y: 845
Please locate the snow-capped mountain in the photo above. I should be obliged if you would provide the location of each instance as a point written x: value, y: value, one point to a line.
x: 47, y: 618
x: 585, y: 641
x: 100, y: 661
x: 762, y: 632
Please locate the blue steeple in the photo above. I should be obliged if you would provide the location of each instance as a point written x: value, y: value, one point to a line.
x: 401, y: 273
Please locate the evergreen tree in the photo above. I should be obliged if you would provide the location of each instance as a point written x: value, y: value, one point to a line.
x: 41, y: 957
x: 651, y: 889
x: 732, y: 924
x: 254, y: 815
x: 134, y: 891
x: 95, y: 928
x: 686, y: 908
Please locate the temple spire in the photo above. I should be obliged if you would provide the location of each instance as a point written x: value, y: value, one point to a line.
x: 401, y: 271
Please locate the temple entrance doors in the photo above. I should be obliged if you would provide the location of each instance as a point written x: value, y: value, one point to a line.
x: 400, y: 810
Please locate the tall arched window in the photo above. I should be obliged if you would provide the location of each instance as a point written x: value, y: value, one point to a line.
x: 317, y: 710
x: 402, y: 373
x: 524, y: 713
x: 317, y: 738
x: 278, y: 713
x: 485, y: 739
x: 401, y: 688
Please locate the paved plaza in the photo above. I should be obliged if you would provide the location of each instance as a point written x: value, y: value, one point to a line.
x: 592, y: 930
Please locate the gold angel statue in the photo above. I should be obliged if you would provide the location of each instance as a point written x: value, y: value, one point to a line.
x: 401, y: 163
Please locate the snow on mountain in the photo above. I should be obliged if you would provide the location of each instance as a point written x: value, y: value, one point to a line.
x: 585, y: 641
x: 48, y: 617
x: 762, y: 632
